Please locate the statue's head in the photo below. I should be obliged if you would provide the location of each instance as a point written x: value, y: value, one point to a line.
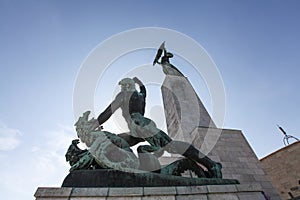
x: 127, y: 84
x: 84, y: 127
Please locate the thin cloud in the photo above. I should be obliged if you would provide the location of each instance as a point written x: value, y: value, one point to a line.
x: 9, y: 138
x: 45, y: 165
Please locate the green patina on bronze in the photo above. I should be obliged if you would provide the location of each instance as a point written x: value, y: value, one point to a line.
x: 107, y: 151
x: 114, y: 178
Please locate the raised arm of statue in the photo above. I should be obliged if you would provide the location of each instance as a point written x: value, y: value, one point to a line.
x: 168, y: 68
x: 142, y: 87
x: 106, y: 114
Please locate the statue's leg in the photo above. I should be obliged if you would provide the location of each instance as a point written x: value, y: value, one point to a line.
x: 189, y: 151
x: 154, y: 136
x: 148, y: 161
x: 146, y: 129
x: 118, y: 141
x: 147, y: 149
x: 130, y: 139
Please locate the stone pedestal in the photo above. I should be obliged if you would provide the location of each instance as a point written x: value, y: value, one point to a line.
x: 210, y: 192
x: 238, y: 159
x: 187, y: 117
x: 115, y: 178
x: 184, y: 110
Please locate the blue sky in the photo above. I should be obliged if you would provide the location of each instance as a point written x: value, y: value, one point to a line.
x: 255, y: 45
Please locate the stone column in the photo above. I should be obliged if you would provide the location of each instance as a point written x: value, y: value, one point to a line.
x: 184, y: 110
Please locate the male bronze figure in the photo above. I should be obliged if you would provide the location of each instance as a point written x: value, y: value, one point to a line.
x: 132, y: 103
x: 168, y: 68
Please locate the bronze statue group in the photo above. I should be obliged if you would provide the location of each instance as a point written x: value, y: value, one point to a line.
x: 111, y: 151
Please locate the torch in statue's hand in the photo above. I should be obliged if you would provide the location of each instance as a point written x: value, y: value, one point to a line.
x: 159, y: 53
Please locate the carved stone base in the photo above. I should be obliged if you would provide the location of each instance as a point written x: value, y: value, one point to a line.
x: 114, y: 178
x: 212, y: 192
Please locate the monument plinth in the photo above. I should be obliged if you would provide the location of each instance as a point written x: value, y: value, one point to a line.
x: 212, y: 192
x: 231, y: 147
x: 114, y: 178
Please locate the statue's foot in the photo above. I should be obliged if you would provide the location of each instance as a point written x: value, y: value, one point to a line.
x: 216, y: 170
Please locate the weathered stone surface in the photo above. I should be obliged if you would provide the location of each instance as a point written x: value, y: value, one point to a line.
x: 251, y: 196
x: 249, y: 187
x: 86, y: 198
x: 222, y: 197
x: 283, y: 169
x: 136, y: 191
x: 53, y: 192
x: 89, y: 192
x: 187, y: 119
x: 122, y: 198
x: 221, y: 188
x: 159, y: 190
x: 158, y: 198
x: 192, y: 197
x: 238, y: 160
x: 184, y: 110
x: 192, y: 190
x: 152, y: 193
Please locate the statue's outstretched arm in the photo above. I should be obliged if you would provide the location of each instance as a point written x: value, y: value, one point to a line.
x: 165, y: 52
x: 106, y: 114
x: 142, y: 87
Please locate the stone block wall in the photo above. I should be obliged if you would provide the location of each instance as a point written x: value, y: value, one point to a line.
x: 188, y: 120
x: 234, y: 152
x: 283, y: 168
x: 237, y: 157
x: 209, y: 192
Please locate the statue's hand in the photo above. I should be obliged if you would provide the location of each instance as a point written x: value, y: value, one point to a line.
x: 137, y: 81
